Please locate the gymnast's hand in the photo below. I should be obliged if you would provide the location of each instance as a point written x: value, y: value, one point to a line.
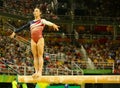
x: 56, y: 27
x: 12, y: 35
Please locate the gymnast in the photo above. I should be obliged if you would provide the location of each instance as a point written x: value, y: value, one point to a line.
x: 37, y: 41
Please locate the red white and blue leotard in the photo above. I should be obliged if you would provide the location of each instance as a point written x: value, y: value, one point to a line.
x: 36, y: 28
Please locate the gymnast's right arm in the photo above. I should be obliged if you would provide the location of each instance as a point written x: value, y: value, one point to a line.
x: 20, y: 29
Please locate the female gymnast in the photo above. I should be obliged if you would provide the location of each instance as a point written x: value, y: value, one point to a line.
x: 37, y: 41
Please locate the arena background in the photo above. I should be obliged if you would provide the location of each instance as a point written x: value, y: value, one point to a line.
x: 87, y: 43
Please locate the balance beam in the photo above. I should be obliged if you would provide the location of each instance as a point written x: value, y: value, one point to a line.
x: 71, y: 79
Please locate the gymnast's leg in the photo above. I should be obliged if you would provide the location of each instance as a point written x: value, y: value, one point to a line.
x: 40, y: 48
x: 35, y: 56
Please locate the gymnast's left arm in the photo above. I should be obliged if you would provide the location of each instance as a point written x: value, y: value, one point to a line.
x: 56, y: 27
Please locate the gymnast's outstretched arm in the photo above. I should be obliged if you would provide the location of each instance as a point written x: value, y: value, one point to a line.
x: 20, y: 29
x: 50, y: 24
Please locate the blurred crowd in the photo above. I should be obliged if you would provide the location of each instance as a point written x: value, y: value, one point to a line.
x: 63, y: 7
x: 25, y: 7
x: 13, y: 52
x: 61, y: 55
x: 108, y: 8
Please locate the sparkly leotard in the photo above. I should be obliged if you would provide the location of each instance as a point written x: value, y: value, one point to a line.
x: 36, y: 28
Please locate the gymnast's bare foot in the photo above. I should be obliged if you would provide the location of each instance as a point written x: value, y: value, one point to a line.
x: 39, y: 74
x: 34, y: 75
